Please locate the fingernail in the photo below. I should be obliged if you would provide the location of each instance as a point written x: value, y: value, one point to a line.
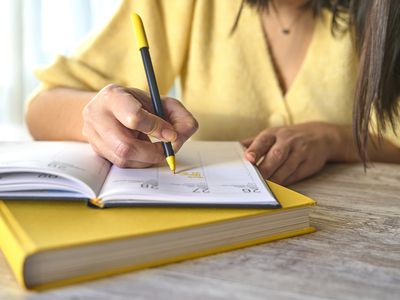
x: 169, y: 135
x: 251, y: 156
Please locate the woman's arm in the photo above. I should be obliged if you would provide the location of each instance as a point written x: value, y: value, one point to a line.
x: 345, y: 149
x: 110, y: 55
x: 56, y: 114
x: 116, y: 122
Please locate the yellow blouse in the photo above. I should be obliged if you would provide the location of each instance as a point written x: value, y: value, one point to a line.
x: 227, y: 81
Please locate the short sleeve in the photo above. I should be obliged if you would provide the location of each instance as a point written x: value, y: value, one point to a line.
x: 111, y: 56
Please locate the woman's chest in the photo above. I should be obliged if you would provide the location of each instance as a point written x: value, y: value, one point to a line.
x: 230, y: 78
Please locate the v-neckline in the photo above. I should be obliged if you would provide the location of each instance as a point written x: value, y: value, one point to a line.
x: 269, y: 70
x: 303, y: 64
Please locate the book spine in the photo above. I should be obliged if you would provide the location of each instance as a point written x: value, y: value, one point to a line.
x: 11, y: 246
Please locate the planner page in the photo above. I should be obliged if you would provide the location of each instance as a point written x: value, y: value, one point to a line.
x: 207, y: 173
x: 57, y: 167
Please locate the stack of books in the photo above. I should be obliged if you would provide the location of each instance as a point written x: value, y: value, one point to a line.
x: 216, y: 202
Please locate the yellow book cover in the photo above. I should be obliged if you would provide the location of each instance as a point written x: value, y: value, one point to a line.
x: 53, y: 243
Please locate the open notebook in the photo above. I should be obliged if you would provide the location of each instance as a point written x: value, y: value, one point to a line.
x: 208, y: 173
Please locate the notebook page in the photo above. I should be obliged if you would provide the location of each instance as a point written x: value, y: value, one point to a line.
x: 72, y: 160
x: 207, y: 173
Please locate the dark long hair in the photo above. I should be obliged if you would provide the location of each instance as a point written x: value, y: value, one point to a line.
x: 376, y: 28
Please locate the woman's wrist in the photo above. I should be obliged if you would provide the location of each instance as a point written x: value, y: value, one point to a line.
x: 342, y: 147
x: 341, y: 144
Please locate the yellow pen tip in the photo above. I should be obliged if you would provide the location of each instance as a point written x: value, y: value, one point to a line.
x: 171, y: 163
x: 138, y: 28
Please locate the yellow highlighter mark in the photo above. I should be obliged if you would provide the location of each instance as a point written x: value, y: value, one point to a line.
x: 191, y: 174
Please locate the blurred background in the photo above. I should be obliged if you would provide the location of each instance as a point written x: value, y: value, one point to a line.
x: 32, y: 33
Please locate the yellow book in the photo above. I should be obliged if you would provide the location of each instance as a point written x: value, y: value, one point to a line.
x: 53, y: 243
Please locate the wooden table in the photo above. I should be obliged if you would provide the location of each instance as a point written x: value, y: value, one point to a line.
x: 355, y: 254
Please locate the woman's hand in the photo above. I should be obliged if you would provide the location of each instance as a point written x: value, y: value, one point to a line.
x: 294, y: 152
x: 118, y: 120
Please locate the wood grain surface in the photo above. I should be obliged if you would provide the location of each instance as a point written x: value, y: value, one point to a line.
x: 355, y: 254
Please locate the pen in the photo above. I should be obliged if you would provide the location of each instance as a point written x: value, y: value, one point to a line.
x: 143, y: 46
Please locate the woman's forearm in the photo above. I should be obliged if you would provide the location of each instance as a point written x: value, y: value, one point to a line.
x: 56, y: 114
x: 346, y: 150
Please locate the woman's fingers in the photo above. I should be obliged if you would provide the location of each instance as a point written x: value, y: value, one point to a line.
x: 181, y: 119
x: 303, y: 171
x: 119, y: 144
x: 288, y: 168
x: 260, y: 146
x: 307, y: 168
x: 132, y: 115
x: 276, y: 157
x: 102, y: 149
x: 121, y: 103
x: 129, y: 148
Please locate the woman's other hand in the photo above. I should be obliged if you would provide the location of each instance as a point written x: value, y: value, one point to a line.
x: 118, y: 121
x: 288, y: 154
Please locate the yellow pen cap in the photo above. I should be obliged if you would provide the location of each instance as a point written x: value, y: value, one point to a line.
x: 138, y: 28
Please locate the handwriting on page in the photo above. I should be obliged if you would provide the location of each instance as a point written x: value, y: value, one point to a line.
x: 60, y: 165
x: 47, y: 176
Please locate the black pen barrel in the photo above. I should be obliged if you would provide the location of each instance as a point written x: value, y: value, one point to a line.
x: 151, y: 79
x: 155, y: 94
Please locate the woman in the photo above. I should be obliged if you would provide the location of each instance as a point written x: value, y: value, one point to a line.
x: 280, y: 75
